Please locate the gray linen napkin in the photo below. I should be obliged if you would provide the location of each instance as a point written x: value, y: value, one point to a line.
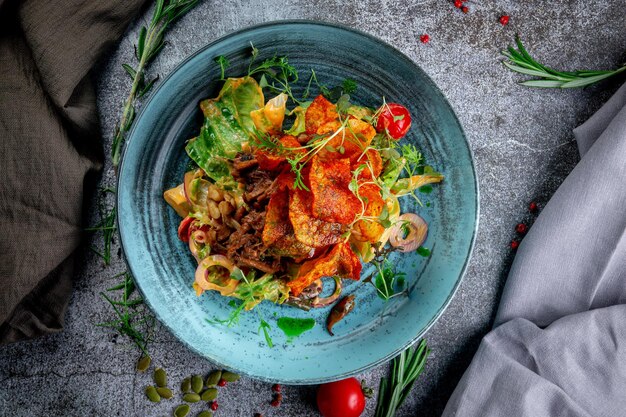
x: 559, y: 343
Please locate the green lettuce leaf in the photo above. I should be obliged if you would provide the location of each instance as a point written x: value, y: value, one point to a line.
x: 227, y: 124
x: 298, y: 126
x: 253, y: 291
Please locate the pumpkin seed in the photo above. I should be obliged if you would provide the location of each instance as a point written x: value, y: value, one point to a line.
x: 209, y: 394
x: 230, y: 376
x: 197, y: 383
x: 185, y: 386
x: 160, y: 377
x: 191, y: 397
x: 143, y: 363
x: 205, y: 413
x: 165, y: 392
x: 213, y: 378
x: 152, y: 394
x: 181, y: 411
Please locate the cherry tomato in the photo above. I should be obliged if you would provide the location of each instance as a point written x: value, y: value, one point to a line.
x: 341, y: 399
x: 395, y: 119
x: 183, y: 229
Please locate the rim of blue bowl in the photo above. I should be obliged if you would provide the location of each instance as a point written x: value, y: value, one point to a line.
x: 470, y: 251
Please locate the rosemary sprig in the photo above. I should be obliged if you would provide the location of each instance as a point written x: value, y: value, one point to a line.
x: 132, y: 319
x: 107, y: 226
x: 519, y: 60
x: 149, y: 44
x: 405, y: 369
x: 136, y: 324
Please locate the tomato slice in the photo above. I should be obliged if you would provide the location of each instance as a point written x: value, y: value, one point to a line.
x: 395, y: 119
x: 183, y: 229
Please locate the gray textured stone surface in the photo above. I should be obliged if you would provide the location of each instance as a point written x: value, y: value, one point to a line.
x: 523, y: 147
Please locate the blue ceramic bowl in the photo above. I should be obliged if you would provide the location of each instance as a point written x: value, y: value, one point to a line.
x: 154, y: 160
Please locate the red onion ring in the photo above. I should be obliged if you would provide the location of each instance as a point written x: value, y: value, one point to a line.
x: 418, y: 230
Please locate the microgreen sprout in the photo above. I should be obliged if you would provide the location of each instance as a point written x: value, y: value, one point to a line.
x: 224, y: 63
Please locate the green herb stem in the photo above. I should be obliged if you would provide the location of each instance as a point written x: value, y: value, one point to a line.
x: 150, y: 42
x: 519, y: 60
x: 405, y: 369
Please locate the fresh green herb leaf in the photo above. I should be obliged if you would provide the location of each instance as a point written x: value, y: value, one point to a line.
x: 138, y: 325
x: 349, y: 86
x: 422, y: 251
x: 237, y: 274
x: 148, y: 87
x: 385, y: 280
x: 277, y: 74
x: 224, y: 63
x: 232, y: 319
x: 130, y: 70
x: 426, y: 189
x: 107, y: 226
x: 141, y: 42
x: 414, y: 158
x: 296, y: 168
x: 265, y: 327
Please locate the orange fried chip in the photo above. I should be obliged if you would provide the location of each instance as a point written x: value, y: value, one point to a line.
x: 367, y: 230
x: 373, y: 162
x: 308, y: 229
x: 278, y: 233
x: 285, y: 181
x: 277, y: 211
x: 341, y: 261
x: 349, y: 142
x: 332, y: 200
x: 271, y: 161
x: 320, y: 112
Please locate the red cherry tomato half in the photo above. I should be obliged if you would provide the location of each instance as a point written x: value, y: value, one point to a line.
x: 395, y: 119
x: 183, y: 229
x: 341, y: 399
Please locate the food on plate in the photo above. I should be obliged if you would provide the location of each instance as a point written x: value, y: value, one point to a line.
x: 286, y: 192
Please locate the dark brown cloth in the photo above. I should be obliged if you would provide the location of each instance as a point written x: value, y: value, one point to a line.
x: 50, y: 141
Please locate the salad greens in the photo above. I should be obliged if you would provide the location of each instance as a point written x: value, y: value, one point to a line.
x: 227, y: 125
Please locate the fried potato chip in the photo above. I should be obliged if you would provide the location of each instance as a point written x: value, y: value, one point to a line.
x: 320, y: 112
x: 349, y: 141
x: 340, y: 261
x: 273, y: 161
x: 310, y: 230
x: 367, y: 230
x: 278, y: 234
x: 332, y: 200
x: 277, y: 212
x: 373, y: 162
